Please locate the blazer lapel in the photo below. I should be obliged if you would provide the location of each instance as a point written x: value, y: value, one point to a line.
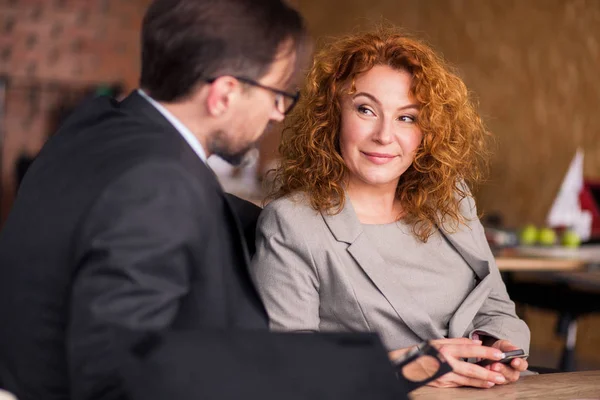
x: 463, y: 243
x: 463, y: 317
x: 346, y: 228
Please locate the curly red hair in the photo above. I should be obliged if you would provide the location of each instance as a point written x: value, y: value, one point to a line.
x: 454, y: 147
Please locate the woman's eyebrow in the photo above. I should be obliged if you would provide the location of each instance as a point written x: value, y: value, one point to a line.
x: 374, y: 99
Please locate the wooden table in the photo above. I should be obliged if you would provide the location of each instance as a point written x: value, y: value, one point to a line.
x: 548, y: 259
x: 574, y: 385
x: 560, y: 279
x: 513, y: 263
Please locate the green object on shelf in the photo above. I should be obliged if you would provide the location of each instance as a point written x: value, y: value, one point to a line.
x: 570, y: 239
x: 529, y: 235
x: 547, y: 237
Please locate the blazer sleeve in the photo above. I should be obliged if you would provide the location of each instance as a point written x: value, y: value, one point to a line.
x: 133, y: 268
x: 284, y: 271
x: 497, y: 317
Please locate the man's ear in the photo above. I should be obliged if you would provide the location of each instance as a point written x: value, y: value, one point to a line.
x: 221, y: 94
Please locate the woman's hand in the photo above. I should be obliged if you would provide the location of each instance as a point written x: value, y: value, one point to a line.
x: 469, y: 374
x: 464, y: 373
x: 437, y: 342
x: 513, y: 371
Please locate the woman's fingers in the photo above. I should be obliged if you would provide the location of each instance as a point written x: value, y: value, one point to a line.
x: 440, y: 342
x: 398, y: 353
x: 436, y: 343
x: 454, y: 353
x: 480, y: 373
x: 519, y: 364
x: 455, y: 380
x: 462, y: 380
x: 505, y: 345
x: 468, y: 374
x: 471, y: 351
x: 511, y: 374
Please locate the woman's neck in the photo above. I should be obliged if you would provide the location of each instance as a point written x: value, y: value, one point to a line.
x: 374, y: 204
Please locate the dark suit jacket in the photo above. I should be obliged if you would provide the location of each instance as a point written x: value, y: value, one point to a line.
x: 118, y: 225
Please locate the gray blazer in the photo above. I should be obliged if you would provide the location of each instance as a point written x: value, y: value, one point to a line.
x: 309, y: 267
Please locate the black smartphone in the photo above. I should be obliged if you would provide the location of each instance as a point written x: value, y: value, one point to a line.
x: 510, y: 355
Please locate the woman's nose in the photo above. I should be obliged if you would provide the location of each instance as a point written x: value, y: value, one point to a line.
x: 383, y: 133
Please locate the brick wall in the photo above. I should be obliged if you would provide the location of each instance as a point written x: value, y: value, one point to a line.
x: 52, y: 51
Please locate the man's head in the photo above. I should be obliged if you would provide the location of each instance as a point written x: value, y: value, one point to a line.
x: 208, y: 60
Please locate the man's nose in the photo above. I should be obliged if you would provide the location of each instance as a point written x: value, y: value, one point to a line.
x: 277, y: 115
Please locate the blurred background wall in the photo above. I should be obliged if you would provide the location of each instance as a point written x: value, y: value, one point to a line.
x: 534, y: 66
x: 51, y: 52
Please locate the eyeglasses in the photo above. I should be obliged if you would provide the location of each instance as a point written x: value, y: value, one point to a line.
x: 284, y: 101
x: 420, y: 366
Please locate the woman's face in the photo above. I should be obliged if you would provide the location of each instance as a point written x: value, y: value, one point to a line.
x: 379, y: 134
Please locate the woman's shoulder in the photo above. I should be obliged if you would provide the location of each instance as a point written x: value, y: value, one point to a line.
x: 466, y: 202
x: 465, y: 207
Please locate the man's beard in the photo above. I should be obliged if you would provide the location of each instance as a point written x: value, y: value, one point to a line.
x: 218, y: 145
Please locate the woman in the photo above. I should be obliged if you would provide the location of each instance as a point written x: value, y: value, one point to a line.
x: 373, y: 227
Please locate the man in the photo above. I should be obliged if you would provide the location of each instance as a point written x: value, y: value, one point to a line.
x: 119, y: 226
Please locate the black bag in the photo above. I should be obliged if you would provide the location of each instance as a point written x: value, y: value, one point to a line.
x: 260, y: 365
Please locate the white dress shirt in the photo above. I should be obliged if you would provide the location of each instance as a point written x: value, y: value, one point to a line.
x: 183, y: 130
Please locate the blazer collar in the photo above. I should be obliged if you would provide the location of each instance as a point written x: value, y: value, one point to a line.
x: 464, y: 243
x: 346, y: 228
x: 345, y: 225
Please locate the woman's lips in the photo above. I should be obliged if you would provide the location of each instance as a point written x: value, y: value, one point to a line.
x: 379, y: 158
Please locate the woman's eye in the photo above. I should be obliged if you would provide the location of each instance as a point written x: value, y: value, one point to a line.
x: 364, y: 110
x: 407, y: 118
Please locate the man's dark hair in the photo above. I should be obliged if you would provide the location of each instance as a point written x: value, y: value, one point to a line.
x: 186, y: 41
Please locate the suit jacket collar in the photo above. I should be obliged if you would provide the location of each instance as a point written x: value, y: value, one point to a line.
x: 189, y: 158
x: 139, y: 106
x: 183, y: 130
x: 346, y: 228
x: 136, y: 103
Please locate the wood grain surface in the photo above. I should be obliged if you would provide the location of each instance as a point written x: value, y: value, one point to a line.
x: 576, y: 385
